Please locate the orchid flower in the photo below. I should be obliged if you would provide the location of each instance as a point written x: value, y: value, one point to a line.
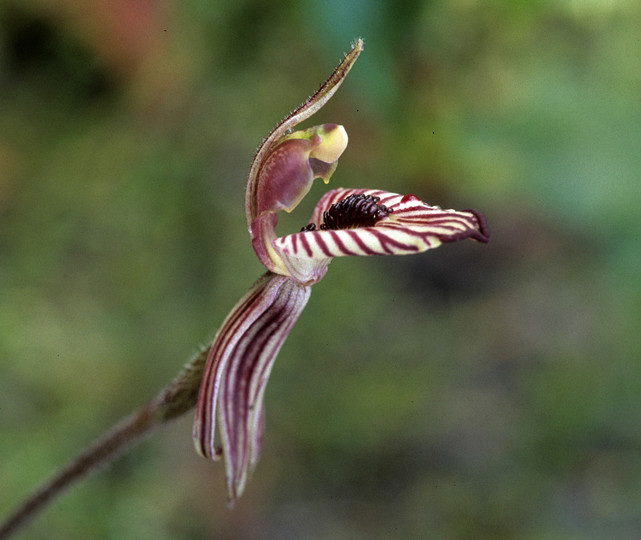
x: 344, y: 222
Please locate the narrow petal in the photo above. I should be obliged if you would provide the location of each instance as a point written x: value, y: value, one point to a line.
x: 410, y: 226
x: 236, y: 374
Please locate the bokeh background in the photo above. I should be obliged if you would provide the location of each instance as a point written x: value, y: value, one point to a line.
x: 476, y: 391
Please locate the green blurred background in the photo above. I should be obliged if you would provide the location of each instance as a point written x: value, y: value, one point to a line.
x: 476, y: 391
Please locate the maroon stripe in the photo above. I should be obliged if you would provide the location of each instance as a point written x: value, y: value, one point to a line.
x: 354, y: 235
x: 382, y: 237
x: 290, y: 317
x: 281, y: 331
x: 468, y: 220
x: 339, y: 243
x: 217, y: 360
x: 468, y: 230
x: 236, y: 388
x: 249, y: 311
x: 385, y: 199
x: 386, y: 241
x: 457, y: 234
x: 424, y: 236
x: 440, y: 220
x: 305, y: 243
x: 249, y: 368
x: 318, y: 237
x: 205, y: 413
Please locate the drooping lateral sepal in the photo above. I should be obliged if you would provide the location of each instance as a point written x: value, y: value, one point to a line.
x: 374, y: 223
x: 238, y: 367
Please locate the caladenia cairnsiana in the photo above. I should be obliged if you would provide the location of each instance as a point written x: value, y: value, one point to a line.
x: 227, y: 381
x: 344, y: 222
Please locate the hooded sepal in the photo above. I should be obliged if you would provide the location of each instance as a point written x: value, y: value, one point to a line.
x: 286, y: 163
x: 286, y: 176
x: 288, y: 171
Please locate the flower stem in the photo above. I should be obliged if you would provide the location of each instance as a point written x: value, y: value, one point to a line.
x: 173, y: 401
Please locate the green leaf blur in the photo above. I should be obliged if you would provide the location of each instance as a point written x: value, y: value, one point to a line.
x: 477, y: 391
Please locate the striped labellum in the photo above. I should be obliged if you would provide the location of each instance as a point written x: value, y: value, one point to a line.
x: 371, y: 222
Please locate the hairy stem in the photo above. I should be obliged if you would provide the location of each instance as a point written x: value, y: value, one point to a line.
x: 173, y: 401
